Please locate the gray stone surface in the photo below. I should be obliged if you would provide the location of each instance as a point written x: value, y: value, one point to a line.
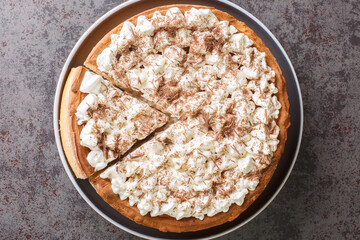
x: 321, y: 199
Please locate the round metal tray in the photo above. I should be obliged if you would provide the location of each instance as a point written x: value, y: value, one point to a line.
x: 286, y: 163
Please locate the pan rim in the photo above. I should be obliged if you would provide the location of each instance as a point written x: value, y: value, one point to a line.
x: 57, y: 108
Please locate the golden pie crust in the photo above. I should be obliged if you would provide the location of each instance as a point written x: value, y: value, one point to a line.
x: 69, y: 129
x: 166, y: 223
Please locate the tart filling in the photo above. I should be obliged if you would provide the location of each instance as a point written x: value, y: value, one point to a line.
x: 113, y: 120
x: 205, y: 72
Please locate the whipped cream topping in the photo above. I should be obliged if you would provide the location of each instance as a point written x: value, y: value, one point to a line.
x: 188, y: 172
x: 209, y: 75
x: 153, y: 56
x: 113, y: 120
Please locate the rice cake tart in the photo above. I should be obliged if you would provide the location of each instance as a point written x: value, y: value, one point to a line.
x: 170, y: 224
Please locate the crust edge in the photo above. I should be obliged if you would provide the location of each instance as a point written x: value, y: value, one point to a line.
x: 69, y: 129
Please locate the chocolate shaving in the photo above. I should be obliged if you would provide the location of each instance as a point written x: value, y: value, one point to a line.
x: 117, y: 145
x: 118, y: 55
x: 254, y: 174
x: 186, y: 49
x: 207, y: 121
x: 136, y: 155
x: 102, y: 144
x: 228, y: 128
x: 235, y: 149
x: 168, y: 92
x: 166, y: 141
x: 230, y: 109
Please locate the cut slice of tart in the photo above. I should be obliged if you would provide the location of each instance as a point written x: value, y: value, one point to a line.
x: 99, y: 122
x: 216, y: 74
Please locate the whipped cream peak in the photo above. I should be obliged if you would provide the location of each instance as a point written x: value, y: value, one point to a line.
x: 144, y: 27
x: 175, y: 18
x: 106, y: 60
x: 92, y: 83
x: 237, y: 43
x: 158, y: 20
x: 201, y: 18
x: 127, y: 32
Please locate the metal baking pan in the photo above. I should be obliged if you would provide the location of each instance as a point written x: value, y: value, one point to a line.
x: 128, y: 9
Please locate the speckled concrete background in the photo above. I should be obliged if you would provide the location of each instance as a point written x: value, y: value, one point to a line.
x: 321, y: 199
